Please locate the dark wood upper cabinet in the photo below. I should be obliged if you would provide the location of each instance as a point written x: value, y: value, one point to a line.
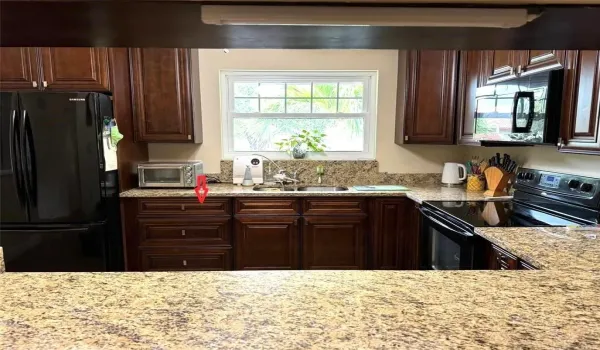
x: 470, y: 78
x: 429, y: 98
x: 334, y: 242
x: 390, y: 224
x: 500, y: 65
x: 267, y: 242
x: 580, y: 128
x: 18, y: 68
x: 162, y: 94
x: 75, y: 69
x: 533, y: 61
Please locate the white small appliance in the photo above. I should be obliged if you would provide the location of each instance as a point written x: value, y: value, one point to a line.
x: 454, y: 174
x: 239, y: 169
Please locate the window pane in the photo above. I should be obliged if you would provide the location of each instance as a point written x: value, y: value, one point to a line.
x: 298, y: 90
x: 351, y: 89
x: 350, y: 106
x: 325, y: 90
x: 258, y: 134
x: 272, y: 105
x: 246, y: 105
x: 298, y: 105
x: 271, y: 90
x: 324, y: 105
x: 245, y: 89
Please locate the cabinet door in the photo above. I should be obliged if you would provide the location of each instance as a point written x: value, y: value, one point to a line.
x: 533, y: 61
x: 184, y: 259
x: 334, y: 242
x: 266, y: 243
x: 390, y: 225
x: 75, y: 69
x: 430, y: 94
x: 470, y: 78
x: 162, y: 99
x: 580, y: 129
x: 500, y: 259
x: 18, y: 69
x: 500, y: 65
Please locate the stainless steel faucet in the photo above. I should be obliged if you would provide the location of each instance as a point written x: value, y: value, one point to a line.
x: 281, y: 177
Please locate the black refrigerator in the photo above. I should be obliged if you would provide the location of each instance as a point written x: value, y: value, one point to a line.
x: 59, y: 207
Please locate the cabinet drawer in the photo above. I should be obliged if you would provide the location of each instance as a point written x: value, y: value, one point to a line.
x: 207, y: 230
x: 182, y: 259
x: 212, y: 206
x: 504, y: 259
x: 334, y: 206
x: 268, y: 206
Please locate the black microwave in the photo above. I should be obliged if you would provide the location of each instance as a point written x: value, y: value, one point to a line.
x: 521, y: 111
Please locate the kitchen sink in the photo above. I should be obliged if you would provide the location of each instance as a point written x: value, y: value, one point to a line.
x: 273, y: 189
x: 322, y: 188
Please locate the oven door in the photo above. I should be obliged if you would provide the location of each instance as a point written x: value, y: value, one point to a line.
x: 161, y: 176
x: 446, y: 245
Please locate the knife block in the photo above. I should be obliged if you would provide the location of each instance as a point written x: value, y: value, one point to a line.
x: 497, y: 181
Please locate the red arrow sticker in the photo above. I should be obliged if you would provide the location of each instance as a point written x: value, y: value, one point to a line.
x: 201, y: 188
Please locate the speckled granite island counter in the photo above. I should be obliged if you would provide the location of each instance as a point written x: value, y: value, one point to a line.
x: 301, y: 309
x: 416, y: 193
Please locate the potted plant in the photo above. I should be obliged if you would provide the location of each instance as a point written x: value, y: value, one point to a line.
x: 297, y: 145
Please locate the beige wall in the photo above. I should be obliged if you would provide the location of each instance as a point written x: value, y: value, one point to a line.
x: 546, y: 158
x: 391, y: 157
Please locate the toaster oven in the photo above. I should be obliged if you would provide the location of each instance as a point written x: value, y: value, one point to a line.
x: 169, y: 174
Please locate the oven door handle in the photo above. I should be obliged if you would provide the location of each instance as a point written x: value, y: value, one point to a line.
x: 429, y: 215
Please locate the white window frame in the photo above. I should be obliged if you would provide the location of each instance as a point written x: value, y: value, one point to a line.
x: 369, y: 78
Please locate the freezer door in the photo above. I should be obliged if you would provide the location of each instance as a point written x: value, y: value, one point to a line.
x: 13, y: 206
x: 66, y: 249
x: 61, y: 152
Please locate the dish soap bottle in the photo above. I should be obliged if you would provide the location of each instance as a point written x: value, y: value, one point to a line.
x: 248, y: 177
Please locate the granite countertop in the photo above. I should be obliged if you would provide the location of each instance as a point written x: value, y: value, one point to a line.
x: 548, y: 247
x: 416, y: 193
x: 301, y: 309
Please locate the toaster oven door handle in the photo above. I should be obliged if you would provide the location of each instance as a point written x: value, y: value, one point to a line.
x: 530, y: 113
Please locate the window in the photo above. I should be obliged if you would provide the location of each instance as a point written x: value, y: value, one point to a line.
x: 262, y: 107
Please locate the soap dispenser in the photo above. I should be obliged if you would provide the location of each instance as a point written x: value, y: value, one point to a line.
x: 248, y: 177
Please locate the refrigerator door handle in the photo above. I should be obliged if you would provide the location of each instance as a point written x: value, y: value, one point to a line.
x: 15, y: 158
x: 28, y: 159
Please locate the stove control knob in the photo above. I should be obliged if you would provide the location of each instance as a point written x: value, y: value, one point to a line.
x: 529, y: 176
x: 521, y: 175
x: 574, y: 184
x: 587, y: 187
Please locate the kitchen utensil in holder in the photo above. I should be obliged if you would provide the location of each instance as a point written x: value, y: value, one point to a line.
x: 497, y: 180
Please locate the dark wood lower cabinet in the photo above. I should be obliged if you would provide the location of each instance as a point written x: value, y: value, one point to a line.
x: 182, y: 259
x: 500, y: 259
x: 264, y: 243
x: 390, y: 224
x: 334, y: 242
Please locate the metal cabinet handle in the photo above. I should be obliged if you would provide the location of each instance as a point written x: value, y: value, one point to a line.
x: 189, y: 137
x: 519, y: 69
x: 185, y: 263
x: 45, y: 83
x: 512, y: 70
x: 34, y: 83
x: 560, y: 143
x: 182, y: 207
x: 183, y: 232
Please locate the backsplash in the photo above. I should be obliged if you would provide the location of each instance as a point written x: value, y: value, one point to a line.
x: 339, y: 172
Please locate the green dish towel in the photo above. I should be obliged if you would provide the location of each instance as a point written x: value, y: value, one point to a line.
x: 381, y: 188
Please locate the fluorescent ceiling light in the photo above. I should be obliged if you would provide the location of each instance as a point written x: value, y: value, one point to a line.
x: 365, y: 16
